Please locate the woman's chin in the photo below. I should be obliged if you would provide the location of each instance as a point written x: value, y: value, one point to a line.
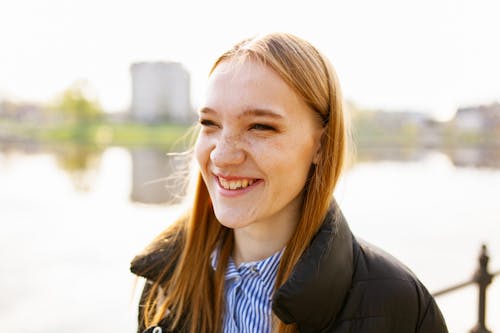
x: 234, y: 221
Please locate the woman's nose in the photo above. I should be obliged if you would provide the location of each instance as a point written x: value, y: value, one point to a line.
x: 227, y: 152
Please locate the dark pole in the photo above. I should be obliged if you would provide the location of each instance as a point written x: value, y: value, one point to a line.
x: 483, y: 278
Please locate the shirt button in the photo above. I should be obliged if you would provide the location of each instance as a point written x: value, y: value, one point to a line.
x: 254, y: 269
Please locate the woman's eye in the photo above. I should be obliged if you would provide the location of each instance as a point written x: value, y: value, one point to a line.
x: 262, y: 127
x: 207, y: 123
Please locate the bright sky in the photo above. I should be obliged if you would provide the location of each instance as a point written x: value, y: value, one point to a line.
x: 426, y: 55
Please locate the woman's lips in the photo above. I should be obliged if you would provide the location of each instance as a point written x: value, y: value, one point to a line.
x: 236, y: 184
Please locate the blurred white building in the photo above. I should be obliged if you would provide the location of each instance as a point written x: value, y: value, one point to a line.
x: 160, y: 92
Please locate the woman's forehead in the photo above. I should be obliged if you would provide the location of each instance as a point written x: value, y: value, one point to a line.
x: 247, y: 83
x: 241, y: 69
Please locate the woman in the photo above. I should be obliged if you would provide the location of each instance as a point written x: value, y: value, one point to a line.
x: 265, y: 247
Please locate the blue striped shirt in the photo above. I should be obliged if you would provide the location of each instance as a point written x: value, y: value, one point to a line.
x: 248, y: 294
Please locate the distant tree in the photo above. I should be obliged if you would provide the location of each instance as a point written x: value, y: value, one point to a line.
x: 78, y: 103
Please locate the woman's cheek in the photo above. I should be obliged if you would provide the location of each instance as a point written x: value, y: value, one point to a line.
x: 274, y: 150
x: 201, y: 150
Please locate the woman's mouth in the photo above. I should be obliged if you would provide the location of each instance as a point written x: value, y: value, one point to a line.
x: 236, y: 184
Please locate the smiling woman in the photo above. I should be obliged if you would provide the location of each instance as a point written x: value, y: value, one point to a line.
x: 264, y: 246
x: 250, y: 136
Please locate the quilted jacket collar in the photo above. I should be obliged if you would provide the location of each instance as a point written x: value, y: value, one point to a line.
x: 315, y: 292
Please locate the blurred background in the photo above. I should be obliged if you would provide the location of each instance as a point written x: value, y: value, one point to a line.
x: 95, y: 94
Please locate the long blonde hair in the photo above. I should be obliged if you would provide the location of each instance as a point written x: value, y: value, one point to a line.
x: 193, y: 294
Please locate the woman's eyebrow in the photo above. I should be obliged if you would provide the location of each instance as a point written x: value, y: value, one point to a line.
x: 206, y: 110
x: 254, y: 112
x: 260, y: 113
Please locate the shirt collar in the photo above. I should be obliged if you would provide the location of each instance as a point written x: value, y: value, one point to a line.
x: 266, y: 268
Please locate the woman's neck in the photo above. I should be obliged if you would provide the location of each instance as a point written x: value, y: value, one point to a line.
x: 262, y: 239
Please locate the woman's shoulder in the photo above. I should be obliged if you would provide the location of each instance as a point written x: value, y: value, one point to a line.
x: 390, y: 290
x: 161, y: 252
x: 380, y: 274
x: 373, y: 263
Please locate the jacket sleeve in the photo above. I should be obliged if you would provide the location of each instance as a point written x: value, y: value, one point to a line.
x: 433, y: 321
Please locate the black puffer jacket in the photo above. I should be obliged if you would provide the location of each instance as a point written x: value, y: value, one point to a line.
x: 339, y: 285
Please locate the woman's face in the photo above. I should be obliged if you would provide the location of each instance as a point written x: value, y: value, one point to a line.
x: 256, y: 146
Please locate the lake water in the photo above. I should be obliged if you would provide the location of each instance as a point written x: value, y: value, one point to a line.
x: 71, y: 221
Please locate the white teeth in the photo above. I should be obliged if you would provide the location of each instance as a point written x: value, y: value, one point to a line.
x: 235, y: 184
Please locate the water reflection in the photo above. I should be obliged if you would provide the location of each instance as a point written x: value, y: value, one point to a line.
x: 81, y: 163
x: 389, y: 154
x: 157, y: 177
x: 460, y: 157
x: 478, y: 158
